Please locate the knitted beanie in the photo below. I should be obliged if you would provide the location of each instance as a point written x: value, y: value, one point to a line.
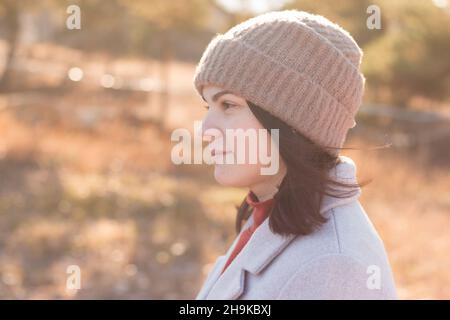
x: 300, y: 67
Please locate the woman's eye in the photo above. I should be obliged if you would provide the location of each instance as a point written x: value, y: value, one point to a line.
x: 227, y: 105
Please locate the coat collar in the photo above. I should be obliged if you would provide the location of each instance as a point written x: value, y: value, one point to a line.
x: 265, y: 245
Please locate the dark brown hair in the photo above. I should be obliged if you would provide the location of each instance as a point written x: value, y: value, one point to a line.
x: 296, y: 209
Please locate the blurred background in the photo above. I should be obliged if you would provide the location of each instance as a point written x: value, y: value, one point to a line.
x: 85, y: 121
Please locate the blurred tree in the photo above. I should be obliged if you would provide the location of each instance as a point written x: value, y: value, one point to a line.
x: 9, y: 13
x: 168, y: 16
x: 241, y: 12
x: 412, y: 57
x: 105, y: 25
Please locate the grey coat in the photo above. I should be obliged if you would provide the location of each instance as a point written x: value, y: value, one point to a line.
x: 344, y: 259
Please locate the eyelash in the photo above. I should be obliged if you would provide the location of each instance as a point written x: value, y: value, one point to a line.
x: 229, y: 105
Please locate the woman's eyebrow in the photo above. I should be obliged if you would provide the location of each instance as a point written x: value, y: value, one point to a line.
x: 217, y: 95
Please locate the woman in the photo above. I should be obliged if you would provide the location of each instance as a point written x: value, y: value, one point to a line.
x: 305, y: 235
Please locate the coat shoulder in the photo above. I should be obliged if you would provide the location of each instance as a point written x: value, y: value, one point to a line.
x: 336, y: 260
x: 348, y: 231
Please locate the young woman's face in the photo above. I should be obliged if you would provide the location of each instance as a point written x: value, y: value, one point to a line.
x: 229, y: 111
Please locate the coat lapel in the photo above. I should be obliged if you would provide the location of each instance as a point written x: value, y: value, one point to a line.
x: 265, y: 245
x: 260, y: 250
x: 212, y: 278
x: 219, y: 264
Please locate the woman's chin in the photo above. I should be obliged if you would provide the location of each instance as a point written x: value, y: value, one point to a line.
x: 224, y: 175
x: 232, y: 175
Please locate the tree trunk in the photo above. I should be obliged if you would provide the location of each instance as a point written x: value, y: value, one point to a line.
x: 165, y: 59
x: 12, y: 22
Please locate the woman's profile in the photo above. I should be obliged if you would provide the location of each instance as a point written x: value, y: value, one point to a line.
x: 302, y: 232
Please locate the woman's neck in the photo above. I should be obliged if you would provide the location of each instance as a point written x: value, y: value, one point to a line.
x: 267, y: 189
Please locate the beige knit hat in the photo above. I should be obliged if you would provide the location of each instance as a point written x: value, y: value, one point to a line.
x: 300, y: 67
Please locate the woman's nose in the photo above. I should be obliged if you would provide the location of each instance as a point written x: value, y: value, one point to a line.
x: 210, y: 125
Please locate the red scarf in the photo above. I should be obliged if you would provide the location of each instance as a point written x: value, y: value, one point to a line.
x: 261, y: 210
